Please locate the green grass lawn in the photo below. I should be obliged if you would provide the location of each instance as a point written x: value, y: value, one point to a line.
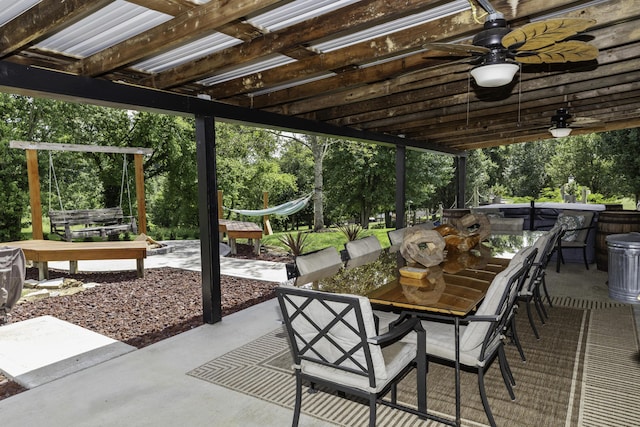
x: 330, y: 237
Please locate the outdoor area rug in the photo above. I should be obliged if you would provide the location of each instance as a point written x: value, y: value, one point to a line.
x: 584, y: 371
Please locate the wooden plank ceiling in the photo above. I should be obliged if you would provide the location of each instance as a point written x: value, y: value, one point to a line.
x: 385, y: 83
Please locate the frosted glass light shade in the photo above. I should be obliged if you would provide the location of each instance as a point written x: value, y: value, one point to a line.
x: 560, y: 132
x: 494, y: 75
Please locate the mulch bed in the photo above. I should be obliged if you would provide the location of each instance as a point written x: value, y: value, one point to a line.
x: 141, y: 311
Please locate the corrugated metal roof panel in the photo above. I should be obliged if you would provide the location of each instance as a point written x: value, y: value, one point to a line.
x: 112, y: 24
x: 189, y: 52
x: 265, y: 63
x: 292, y: 84
x: 393, y: 26
x: 9, y: 9
x: 295, y: 12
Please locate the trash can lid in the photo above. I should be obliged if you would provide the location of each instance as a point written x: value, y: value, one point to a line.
x: 628, y: 240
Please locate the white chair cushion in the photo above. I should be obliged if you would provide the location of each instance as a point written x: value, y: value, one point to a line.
x: 396, y: 356
x: 363, y: 251
x: 475, y: 332
x: 384, y: 319
x: 340, y: 333
x: 441, y: 343
x: 395, y: 239
x: 318, y: 265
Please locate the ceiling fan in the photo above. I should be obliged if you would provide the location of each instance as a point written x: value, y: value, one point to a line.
x: 497, y: 49
x: 562, y: 123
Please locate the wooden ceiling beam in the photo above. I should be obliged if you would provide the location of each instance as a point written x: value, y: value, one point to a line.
x: 387, y: 95
x: 342, y: 21
x: 608, y: 112
x: 439, y: 115
x: 41, y: 19
x: 444, y: 29
x: 194, y: 23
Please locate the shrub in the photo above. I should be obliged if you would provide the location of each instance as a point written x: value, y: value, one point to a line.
x: 351, y: 231
x: 295, y: 243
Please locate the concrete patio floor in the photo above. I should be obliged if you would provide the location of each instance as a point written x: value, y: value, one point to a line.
x: 150, y: 387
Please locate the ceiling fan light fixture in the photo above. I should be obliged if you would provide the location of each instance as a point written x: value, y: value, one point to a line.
x: 494, y: 75
x: 560, y: 132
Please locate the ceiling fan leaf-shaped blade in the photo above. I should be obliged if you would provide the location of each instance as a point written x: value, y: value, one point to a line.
x: 457, y: 49
x: 570, y: 51
x: 548, y: 31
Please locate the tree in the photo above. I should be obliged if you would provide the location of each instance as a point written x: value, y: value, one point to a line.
x: 248, y: 164
x: 525, y: 173
x: 359, y: 180
x: 477, y: 179
x: 319, y: 147
x: 581, y: 157
x: 622, y: 148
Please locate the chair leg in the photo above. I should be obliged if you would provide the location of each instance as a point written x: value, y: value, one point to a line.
x: 537, y: 306
x: 372, y: 410
x: 483, y: 396
x: 584, y: 254
x: 559, y: 259
x: 537, y: 297
x: 531, y: 322
x: 546, y: 292
x: 298, y: 403
x: 507, y: 375
x: 516, y: 339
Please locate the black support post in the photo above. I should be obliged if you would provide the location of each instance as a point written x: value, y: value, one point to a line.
x: 401, y: 184
x: 208, y: 218
x: 461, y: 177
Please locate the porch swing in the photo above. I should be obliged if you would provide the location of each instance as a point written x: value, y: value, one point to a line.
x: 97, y: 222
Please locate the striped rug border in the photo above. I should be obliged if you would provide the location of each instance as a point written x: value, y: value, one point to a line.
x: 585, y: 304
x: 607, y: 395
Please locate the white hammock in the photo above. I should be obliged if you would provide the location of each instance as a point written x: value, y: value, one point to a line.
x: 287, y: 208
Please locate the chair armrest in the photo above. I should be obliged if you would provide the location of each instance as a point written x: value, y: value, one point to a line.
x: 474, y: 318
x: 397, y: 332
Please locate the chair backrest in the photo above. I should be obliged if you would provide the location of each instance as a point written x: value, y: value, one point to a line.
x: 578, y: 223
x: 12, y: 274
x: 362, y: 251
x: 395, y: 239
x: 331, y: 330
x: 500, y: 297
x: 543, y: 246
x: 317, y: 265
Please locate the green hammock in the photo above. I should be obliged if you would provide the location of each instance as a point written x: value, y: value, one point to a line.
x: 287, y: 208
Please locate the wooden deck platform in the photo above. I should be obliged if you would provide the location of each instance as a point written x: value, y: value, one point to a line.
x: 241, y: 230
x: 43, y: 251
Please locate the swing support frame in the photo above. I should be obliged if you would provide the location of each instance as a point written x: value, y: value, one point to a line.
x: 34, y: 178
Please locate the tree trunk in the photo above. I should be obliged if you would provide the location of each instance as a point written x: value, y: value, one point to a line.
x: 318, y: 149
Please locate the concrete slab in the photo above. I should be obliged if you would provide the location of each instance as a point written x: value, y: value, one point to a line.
x: 39, y: 350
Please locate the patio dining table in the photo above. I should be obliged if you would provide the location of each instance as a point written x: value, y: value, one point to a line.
x: 455, y: 287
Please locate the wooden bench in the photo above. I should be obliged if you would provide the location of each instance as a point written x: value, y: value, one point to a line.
x: 241, y: 230
x: 97, y: 222
x: 43, y: 251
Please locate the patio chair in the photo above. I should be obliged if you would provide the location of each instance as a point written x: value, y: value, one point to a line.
x: 578, y: 225
x: 362, y: 251
x: 481, y: 335
x: 12, y: 273
x: 525, y: 257
x: 334, y: 344
x: 314, y: 266
x: 395, y: 239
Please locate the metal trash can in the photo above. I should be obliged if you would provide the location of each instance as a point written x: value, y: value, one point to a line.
x: 624, y: 267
